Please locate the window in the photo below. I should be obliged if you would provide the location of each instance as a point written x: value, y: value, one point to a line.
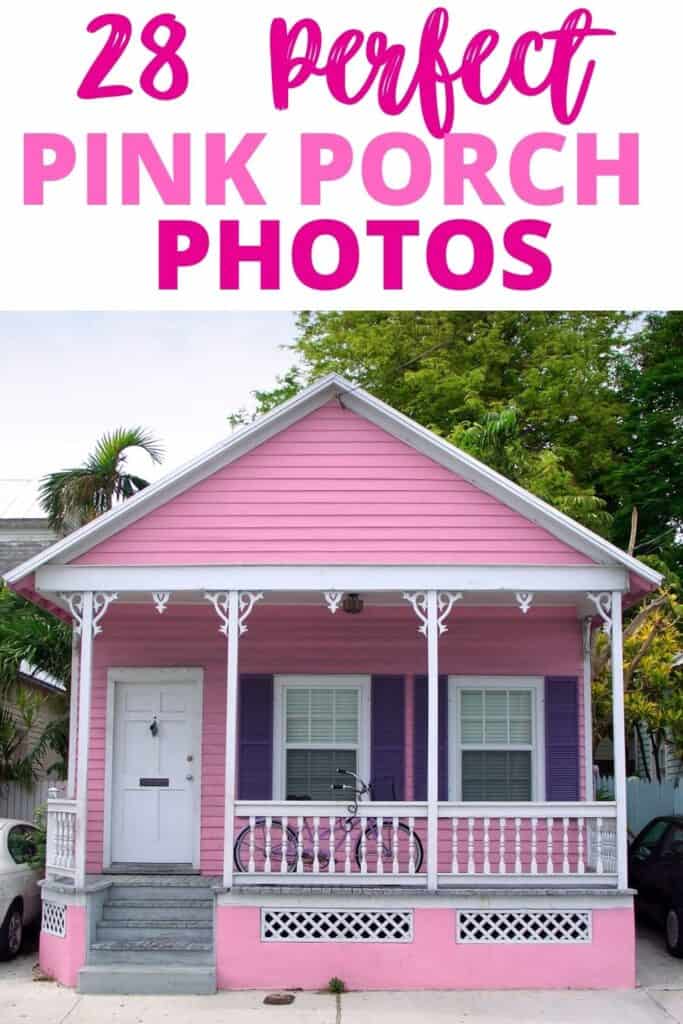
x: 495, y: 739
x: 646, y: 844
x: 321, y: 728
x: 21, y: 843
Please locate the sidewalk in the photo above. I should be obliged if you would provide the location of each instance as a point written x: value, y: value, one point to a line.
x: 23, y: 1001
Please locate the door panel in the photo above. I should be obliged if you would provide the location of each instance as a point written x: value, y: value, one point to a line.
x: 155, y: 776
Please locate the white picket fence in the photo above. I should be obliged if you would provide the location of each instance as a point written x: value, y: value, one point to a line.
x: 17, y: 802
x: 646, y: 800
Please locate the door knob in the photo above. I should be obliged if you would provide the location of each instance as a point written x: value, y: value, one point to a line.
x: 189, y: 778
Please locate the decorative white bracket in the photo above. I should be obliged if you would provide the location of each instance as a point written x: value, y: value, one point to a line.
x: 603, y: 604
x: 525, y: 601
x: 100, y: 605
x: 245, y: 603
x: 333, y: 599
x: 161, y: 599
x: 444, y: 604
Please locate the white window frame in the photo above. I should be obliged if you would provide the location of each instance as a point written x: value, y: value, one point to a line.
x: 282, y: 683
x: 455, y: 746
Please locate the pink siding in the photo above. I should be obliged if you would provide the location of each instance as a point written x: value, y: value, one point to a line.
x: 307, y: 639
x: 62, y: 958
x: 334, y: 489
x: 433, y: 960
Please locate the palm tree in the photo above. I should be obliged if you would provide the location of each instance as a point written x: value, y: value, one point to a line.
x: 72, y: 497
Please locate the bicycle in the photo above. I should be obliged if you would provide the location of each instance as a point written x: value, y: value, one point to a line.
x: 280, y: 843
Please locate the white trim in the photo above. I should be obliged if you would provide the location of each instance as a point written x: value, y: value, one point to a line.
x: 559, y: 579
x: 476, y: 896
x: 83, y: 757
x: 619, y: 737
x: 382, y: 415
x: 534, y: 683
x: 587, y: 710
x: 193, y: 676
x: 301, y: 680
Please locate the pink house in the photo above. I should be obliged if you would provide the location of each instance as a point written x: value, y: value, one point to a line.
x: 336, y: 593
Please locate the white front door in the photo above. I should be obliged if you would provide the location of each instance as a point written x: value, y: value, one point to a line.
x: 156, y: 770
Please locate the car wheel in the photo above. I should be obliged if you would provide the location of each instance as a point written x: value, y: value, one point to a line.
x: 11, y: 933
x: 674, y: 931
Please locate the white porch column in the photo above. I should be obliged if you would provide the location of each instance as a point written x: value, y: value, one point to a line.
x: 233, y: 608
x: 432, y: 608
x: 233, y: 633
x: 587, y: 709
x: 432, y: 741
x: 619, y: 737
x: 85, y: 687
x: 73, y: 715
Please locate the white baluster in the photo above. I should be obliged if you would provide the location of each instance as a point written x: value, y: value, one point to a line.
x: 454, y: 846
x: 487, y: 863
x: 316, y: 845
x: 470, y: 846
x: 518, y: 846
x: 347, y: 850
x: 534, y: 843
x: 266, y: 863
x: 252, y: 863
x: 599, y: 866
x: 502, y: 868
x: 299, y: 845
x: 363, y: 845
x: 411, y: 846
x: 284, y: 866
x: 71, y: 840
x: 380, y: 845
x: 565, y: 846
x: 395, y: 867
x: 581, y: 865
x: 332, y: 863
x: 549, y: 867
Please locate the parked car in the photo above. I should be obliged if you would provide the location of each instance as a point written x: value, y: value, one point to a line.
x: 19, y: 891
x: 656, y: 872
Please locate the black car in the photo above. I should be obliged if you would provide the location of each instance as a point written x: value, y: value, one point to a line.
x: 655, y: 870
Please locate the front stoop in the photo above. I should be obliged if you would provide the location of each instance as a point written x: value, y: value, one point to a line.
x: 154, y: 937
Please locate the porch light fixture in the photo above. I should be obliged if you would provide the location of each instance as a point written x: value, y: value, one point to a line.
x: 352, y: 604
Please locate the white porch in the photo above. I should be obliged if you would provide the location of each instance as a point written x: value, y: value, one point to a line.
x: 469, y: 844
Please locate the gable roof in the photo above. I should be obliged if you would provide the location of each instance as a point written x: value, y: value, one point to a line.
x: 378, y: 412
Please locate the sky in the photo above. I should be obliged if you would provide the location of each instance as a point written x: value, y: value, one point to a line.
x: 66, y: 378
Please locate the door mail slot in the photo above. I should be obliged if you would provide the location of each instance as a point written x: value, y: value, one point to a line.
x: 154, y: 782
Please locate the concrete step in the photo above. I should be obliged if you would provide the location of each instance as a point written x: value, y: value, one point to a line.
x: 191, y: 912
x: 150, y: 952
x: 159, y: 892
x: 124, y: 979
x: 129, y: 930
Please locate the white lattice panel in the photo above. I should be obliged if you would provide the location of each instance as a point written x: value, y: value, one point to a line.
x: 524, y: 926
x: 336, y: 925
x: 54, y: 919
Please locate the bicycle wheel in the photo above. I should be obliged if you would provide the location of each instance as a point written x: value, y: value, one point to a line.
x: 392, y: 849
x: 282, y: 846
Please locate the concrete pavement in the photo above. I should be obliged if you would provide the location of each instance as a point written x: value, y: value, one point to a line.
x: 658, y: 1001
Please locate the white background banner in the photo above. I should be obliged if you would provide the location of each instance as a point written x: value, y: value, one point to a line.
x: 67, y: 252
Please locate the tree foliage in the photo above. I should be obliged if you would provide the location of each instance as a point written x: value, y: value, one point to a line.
x: 72, y: 497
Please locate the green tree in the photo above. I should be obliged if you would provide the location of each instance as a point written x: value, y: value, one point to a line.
x: 653, y: 681
x: 72, y: 497
x: 648, y: 477
x: 30, y: 635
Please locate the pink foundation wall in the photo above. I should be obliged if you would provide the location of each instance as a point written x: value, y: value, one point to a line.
x: 308, y: 640
x: 62, y: 958
x: 333, y: 489
x: 432, y: 961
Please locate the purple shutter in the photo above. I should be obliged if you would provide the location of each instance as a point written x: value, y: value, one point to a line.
x: 420, y: 738
x: 388, y: 737
x: 561, y: 738
x: 255, y: 738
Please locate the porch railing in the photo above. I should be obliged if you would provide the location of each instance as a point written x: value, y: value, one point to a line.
x: 386, y: 844
x: 60, y: 857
